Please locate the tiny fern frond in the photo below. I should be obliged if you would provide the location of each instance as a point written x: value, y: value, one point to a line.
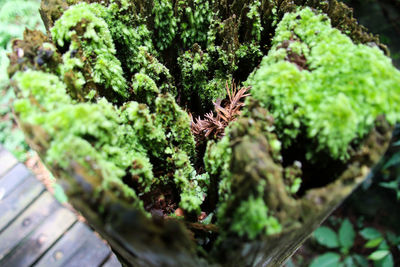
x: 213, y: 126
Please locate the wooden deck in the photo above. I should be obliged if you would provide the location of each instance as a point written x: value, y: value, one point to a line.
x: 36, y: 230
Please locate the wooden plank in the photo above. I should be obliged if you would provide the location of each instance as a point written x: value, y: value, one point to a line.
x: 92, y: 253
x: 66, y: 247
x: 7, y: 161
x: 112, y: 262
x: 40, y: 240
x: 12, y: 179
x: 28, y: 221
x: 18, y: 200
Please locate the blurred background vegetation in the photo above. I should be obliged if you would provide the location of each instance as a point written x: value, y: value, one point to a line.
x: 14, y: 17
x: 364, y: 231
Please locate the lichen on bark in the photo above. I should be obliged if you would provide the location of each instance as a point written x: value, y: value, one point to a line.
x: 106, y: 98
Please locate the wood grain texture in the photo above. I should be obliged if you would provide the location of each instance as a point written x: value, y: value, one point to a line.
x: 67, y: 247
x: 7, y: 161
x: 92, y: 253
x: 12, y: 179
x: 18, y: 200
x: 27, y: 222
x: 32, y: 247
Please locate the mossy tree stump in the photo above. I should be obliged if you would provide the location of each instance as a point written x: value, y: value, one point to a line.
x: 107, y: 98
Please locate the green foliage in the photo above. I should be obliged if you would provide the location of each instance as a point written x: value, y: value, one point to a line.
x: 193, y: 187
x: 144, y: 88
x: 335, y: 94
x: 194, y: 18
x: 370, y: 233
x: 251, y: 219
x: 84, y: 30
x: 14, y: 17
x: 149, y: 65
x: 165, y: 23
x: 204, y: 74
x: 110, y: 140
x: 254, y: 15
x: 343, y: 243
x: 130, y: 35
x: 329, y: 259
x: 132, y: 71
x: 176, y: 123
x: 346, y: 235
x: 247, y: 213
x: 390, y: 172
x: 326, y: 237
x: 74, y: 127
x: 217, y: 162
x: 59, y: 194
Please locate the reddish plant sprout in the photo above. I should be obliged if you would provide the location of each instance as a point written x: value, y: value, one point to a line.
x: 227, y: 111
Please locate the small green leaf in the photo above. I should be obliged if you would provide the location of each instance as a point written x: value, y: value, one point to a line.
x: 384, y: 246
x: 385, y: 262
x: 378, y: 255
x: 370, y: 233
x: 360, y: 260
x: 373, y: 243
x: 349, y: 261
x: 326, y: 237
x: 392, y: 238
x: 394, y: 160
x: 329, y: 259
x: 346, y: 234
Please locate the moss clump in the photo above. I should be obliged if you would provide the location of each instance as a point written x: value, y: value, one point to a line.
x: 316, y: 82
x: 88, y: 134
x: 109, y: 141
x: 165, y: 23
x: 90, y: 56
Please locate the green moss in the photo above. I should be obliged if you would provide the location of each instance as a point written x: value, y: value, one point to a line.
x: 144, y: 88
x: 176, y: 124
x: 255, y: 17
x: 245, y: 165
x: 85, y: 133
x: 217, y: 163
x: 193, y: 187
x: 251, y: 219
x: 111, y: 141
x: 90, y: 48
x: 117, y: 104
x: 165, y: 23
x: 335, y: 93
x: 194, y: 69
x: 194, y: 18
x: 14, y: 17
x: 204, y: 74
x: 149, y: 65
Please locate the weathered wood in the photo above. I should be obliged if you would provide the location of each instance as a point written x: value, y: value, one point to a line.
x: 12, y: 179
x: 67, y: 247
x: 92, y: 253
x: 7, y: 161
x: 30, y: 249
x: 29, y: 220
x: 18, y: 200
x: 112, y: 262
